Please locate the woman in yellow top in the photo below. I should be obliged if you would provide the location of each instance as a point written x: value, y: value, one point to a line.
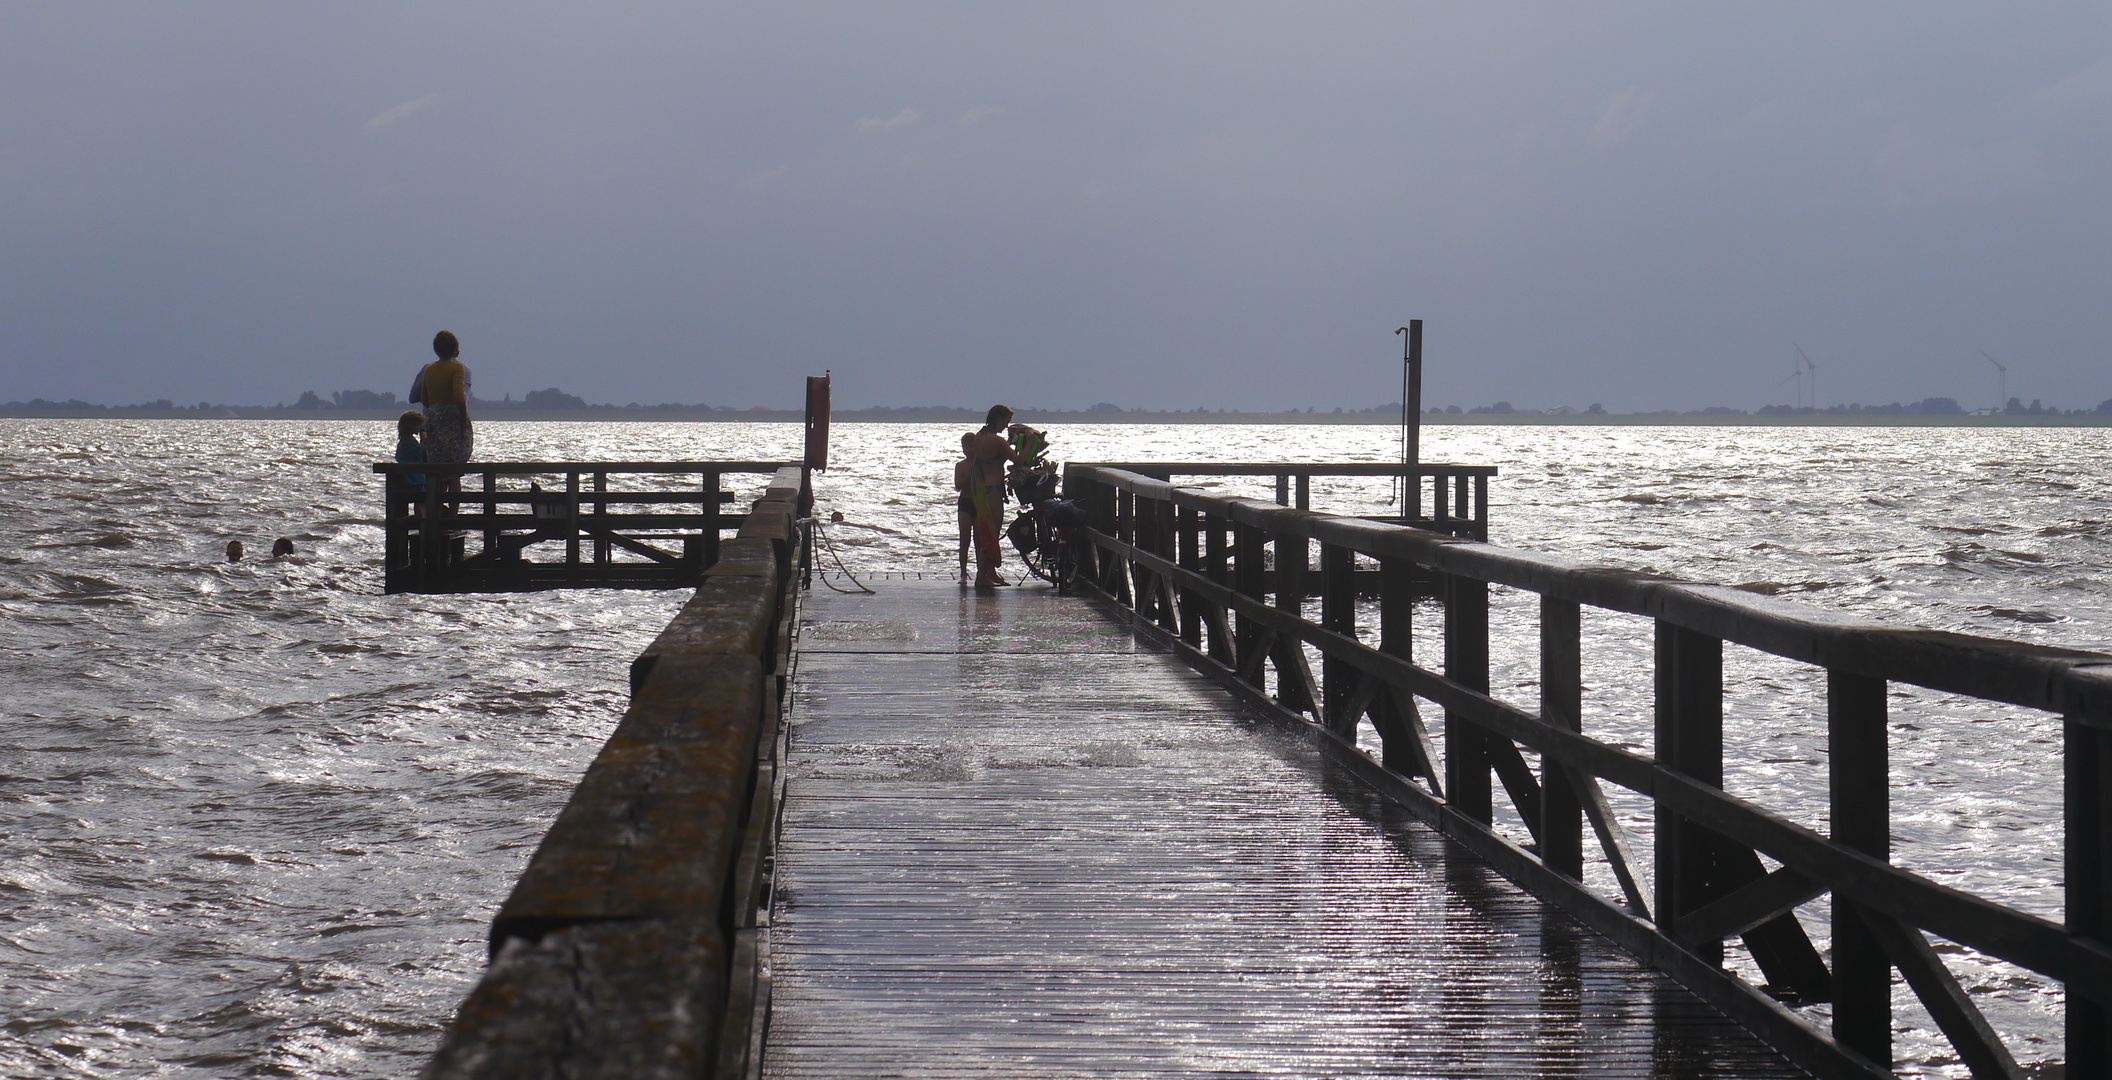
x: 443, y: 388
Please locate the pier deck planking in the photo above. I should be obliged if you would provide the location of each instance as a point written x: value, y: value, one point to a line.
x: 1018, y: 842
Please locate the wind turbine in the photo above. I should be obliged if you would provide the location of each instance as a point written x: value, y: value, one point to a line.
x: 2001, y: 383
x: 1813, y: 370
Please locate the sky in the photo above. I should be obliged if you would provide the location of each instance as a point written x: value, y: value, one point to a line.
x: 1217, y: 205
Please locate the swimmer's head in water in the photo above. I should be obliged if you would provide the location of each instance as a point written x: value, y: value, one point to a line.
x: 282, y: 547
x: 234, y: 551
x: 410, y: 423
x: 445, y: 346
x: 835, y: 517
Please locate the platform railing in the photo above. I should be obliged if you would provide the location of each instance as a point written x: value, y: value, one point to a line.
x: 612, y: 524
x: 1451, y: 499
x: 1225, y: 582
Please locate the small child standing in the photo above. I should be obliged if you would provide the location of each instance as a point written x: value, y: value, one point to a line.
x: 408, y: 448
x: 963, y: 502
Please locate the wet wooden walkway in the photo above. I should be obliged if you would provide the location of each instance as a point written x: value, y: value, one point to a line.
x: 1017, y: 842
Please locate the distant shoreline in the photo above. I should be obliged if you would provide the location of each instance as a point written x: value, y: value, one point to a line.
x: 972, y: 418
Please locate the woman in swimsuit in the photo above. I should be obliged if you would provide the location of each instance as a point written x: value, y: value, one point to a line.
x: 988, y: 451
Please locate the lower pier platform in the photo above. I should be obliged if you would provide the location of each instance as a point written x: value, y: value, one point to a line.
x: 1018, y: 842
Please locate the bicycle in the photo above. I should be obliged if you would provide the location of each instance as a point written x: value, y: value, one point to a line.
x: 1043, y: 534
x: 1044, y: 530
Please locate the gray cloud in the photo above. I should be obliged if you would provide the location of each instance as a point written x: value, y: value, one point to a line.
x: 389, y: 116
x: 1182, y: 204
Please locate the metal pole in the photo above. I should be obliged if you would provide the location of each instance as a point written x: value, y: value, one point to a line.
x: 1411, y: 404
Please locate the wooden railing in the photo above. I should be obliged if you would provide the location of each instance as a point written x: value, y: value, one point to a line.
x: 1458, y: 495
x: 634, y: 944
x: 658, y: 536
x: 1194, y: 569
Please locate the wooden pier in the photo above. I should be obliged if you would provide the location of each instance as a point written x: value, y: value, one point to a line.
x: 1019, y: 842
x: 928, y: 832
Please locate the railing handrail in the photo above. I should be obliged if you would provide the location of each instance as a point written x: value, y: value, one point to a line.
x: 685, y: 468
x: 1291, y: 468
x: 2072, y: 682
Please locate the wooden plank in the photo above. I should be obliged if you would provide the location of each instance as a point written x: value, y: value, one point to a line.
x: 1249, y: 550
x: 1561, y: 832
x: 1117, y: 878
x: 519, y: 468
x: 1338, y: 612
x: 1164, y: 469
x: 1689, y: 719
x: 1416, y: 747
x: 1757, y: 902
x: 2087, y: 860
x: 1859, y: 783
x: 1783, y: 1029
x: 1188, y: 525
x: 1969, y: 1032
x: 1467, y: 664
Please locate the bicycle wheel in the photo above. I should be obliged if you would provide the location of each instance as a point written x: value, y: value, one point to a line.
x: 1040, y: 557
x: 1066, y: 568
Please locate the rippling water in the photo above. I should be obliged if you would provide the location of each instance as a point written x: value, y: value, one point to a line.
x: 257, y: 816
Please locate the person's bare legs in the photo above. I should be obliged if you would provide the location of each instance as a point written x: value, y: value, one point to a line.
x: 967, y: 538
x: 988, y: 555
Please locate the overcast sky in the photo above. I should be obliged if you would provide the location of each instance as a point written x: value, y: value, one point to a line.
x: 1171, y: 205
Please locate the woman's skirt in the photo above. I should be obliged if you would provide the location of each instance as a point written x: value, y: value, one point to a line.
x: 447, y: 432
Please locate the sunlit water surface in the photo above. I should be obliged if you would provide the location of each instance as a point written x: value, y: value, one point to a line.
x: 254, y: 818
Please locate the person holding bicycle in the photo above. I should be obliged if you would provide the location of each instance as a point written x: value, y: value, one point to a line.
x: 989, y: 451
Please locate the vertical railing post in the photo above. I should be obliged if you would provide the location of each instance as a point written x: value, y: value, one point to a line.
x: 601, y: 510
x: 491, y: 514
x: 1305, y: 491
x: 572, y: 518
x: 1169, y: 549
x: 1561, y: 704
x: 1859, y: 783
x: 1293, y: 555
x: 1440, y: 506
x: 1100, y: 518
x: 1283, y: 489
x: 2087, y: 809
x: 1466, y: 663
x: 432, y: 540
x: 1191, y: 559
x: 708, y: 537
x: 1144, y: 533
x: 393, y: 528
x: 1689, y: 721
x: 1338, y: 612
x: 1249, y: 580
x: 1481, y: 508
x: 1397, y: 638
x: 1125, y: 531
x: 1214, y: 568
